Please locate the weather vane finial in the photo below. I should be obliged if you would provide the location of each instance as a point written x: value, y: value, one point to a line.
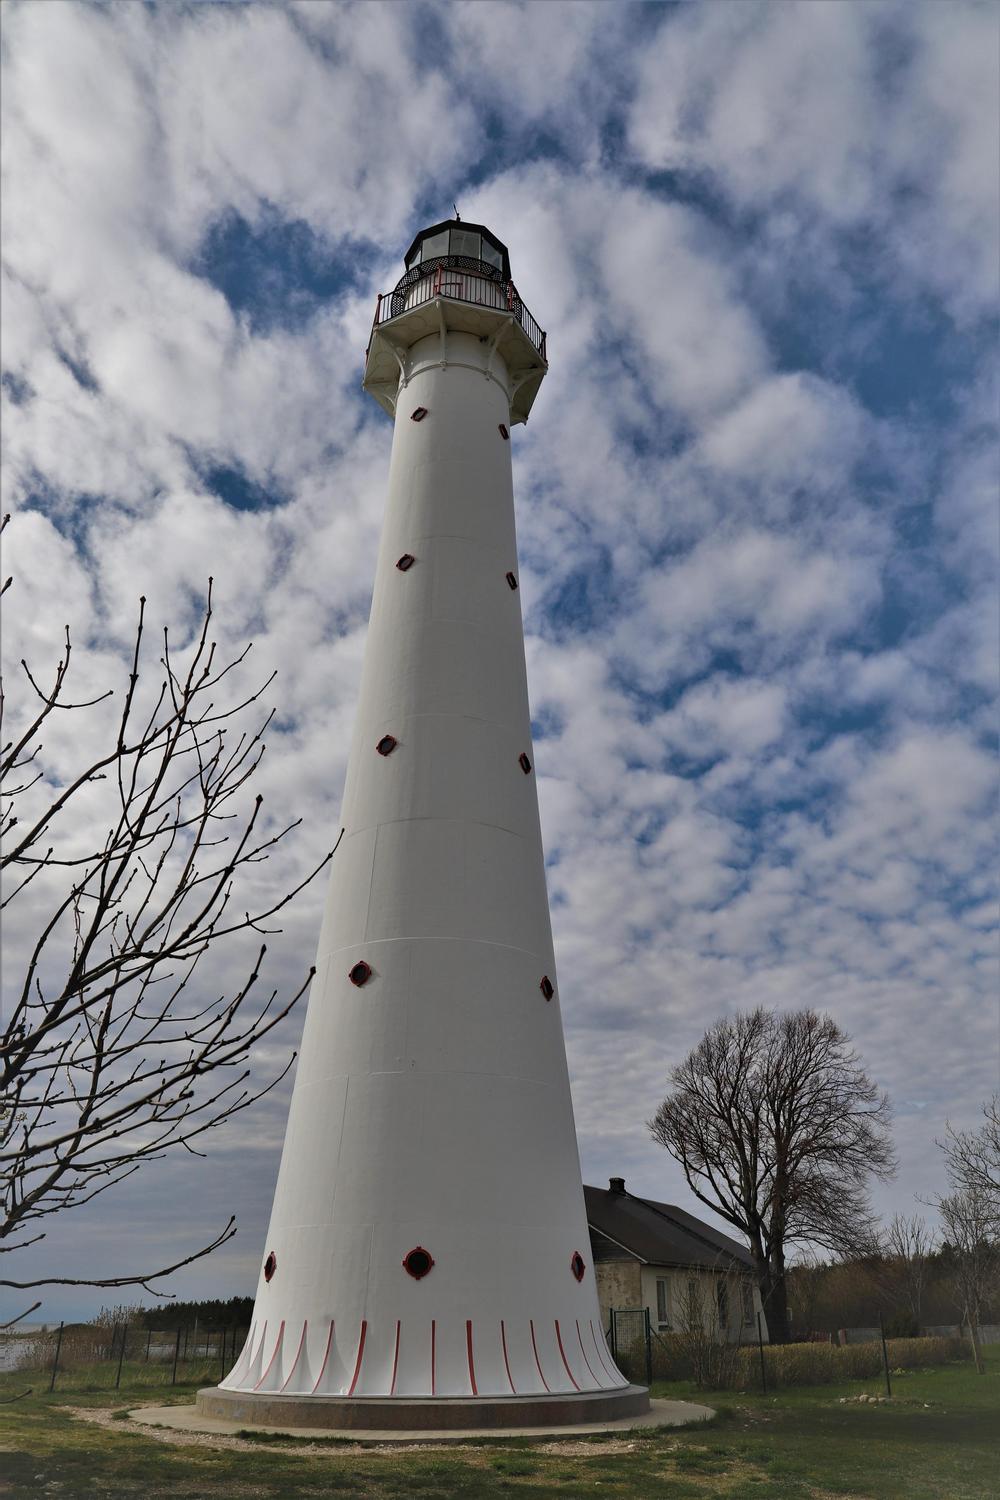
x: 458, y: 216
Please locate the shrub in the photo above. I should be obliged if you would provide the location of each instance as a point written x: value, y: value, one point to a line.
x: 820, y: 1364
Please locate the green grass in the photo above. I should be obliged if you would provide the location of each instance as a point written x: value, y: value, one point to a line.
x: 935, y: 1441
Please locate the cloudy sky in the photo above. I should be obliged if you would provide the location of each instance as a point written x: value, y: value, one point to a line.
x: 756, y: 501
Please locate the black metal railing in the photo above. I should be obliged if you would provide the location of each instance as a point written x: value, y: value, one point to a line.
x: 462, y: 279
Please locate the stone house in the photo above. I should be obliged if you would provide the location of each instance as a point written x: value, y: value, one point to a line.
x: 653, y: 1255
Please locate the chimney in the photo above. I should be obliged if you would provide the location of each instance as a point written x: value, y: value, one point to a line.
x: 616, y: 1184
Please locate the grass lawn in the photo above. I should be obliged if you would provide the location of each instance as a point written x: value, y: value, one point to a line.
x: 938, y: 1440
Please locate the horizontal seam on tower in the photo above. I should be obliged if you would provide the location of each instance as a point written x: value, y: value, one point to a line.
x: 430, y: 938
x: 430, y: 818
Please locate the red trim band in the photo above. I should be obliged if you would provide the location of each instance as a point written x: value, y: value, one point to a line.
x: 433, y: 1353
x: 562, y: 1351
x: 597, y: 1345
x: 298, y: 1354
x: 361, y: 1354
x: 246, y: 1355
x: 472, y: 1364
x: 503, y: 1340
x: 584, y: 1353
x: 326, y: 1356
x: 395, y: 1362
x: 531, y: 1325
x: 277, y: 1346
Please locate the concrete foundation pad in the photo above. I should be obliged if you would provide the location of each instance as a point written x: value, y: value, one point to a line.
x: 415, y: 1413
x: 190, y: 1419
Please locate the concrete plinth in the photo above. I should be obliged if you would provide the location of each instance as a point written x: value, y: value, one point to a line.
x: 373, y: 1414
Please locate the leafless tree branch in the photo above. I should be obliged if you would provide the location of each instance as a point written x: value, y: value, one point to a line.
x: 778, y: 1129
x: 114, y: 1053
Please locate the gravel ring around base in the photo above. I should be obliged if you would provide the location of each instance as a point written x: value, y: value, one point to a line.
x: 103, y: 1417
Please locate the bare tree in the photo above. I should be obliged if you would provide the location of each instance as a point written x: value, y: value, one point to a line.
x: 973, y: 1160
x: 779, y: 1130
x: 125, y: 873
x: 909, y: 1245
x: 968, y: 1221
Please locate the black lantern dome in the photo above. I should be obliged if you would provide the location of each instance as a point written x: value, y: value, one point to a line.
x: 453, y: 242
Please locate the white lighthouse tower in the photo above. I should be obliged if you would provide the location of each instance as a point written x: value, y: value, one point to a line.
x: 427, y: 1261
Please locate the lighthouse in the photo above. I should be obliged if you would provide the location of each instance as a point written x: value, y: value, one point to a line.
x: 427, y: 1262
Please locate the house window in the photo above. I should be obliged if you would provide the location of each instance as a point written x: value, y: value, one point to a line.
x: 662, y: 1303
x: 747, y: 1292
x: 722, y: 1303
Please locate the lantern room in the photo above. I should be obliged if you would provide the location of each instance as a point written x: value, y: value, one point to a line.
x: 457, y: 279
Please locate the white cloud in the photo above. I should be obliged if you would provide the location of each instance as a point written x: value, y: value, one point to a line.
x: 882, y: 117
x: 726, y: 561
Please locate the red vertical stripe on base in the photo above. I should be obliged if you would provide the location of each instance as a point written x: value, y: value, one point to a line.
x: 274, y: 1356
x: 246, y: 1357
x: 600, y: 1351
x: 562, y: 1351
x: 531, y: 1325
x: 503, y: 1340
x: 584, y: 1353
x: 298, y: 1354
x: 472, y: 1363
x: 395, y: 1362
x: 361, y: 1355
x: 326, y: 1356
x: 433, y: 1351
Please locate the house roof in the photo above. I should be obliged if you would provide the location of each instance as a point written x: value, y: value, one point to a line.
x: 659, y: 1233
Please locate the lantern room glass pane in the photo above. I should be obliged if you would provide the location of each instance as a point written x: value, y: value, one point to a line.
x: 464, y: 242
x: 491, y: 255
x: 437, y: 244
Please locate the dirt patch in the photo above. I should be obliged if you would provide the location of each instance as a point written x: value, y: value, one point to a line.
x: 180, y: 1438
x: 565, y: 1448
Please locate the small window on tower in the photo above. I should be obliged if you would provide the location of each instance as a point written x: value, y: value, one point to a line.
x: 387, y: 744
x: 503, y: 432
x: 406, y: 562
x: 417, y: 1262
x: 418, y: 414
x: 524, y: 763
x: 578, y: 1265
x: 360, y: 973
x: 270, y: 1265
x: 511, y: 581
x: 546, y: 987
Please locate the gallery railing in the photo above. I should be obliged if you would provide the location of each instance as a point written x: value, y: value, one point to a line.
x: 462, y: 279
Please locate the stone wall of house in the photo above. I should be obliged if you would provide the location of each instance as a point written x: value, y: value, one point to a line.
x: 619, y: 1284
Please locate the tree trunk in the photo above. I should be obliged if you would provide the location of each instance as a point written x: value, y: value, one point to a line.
x: 972, y: 1313
x: 774, y: 1295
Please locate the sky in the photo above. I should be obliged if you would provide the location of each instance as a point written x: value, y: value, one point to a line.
x: 756, y: 499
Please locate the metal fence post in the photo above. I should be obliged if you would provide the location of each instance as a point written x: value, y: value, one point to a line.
x: 614, y: 1338
x: 55, y: 1361
x: 121, y: 1355
x: 149, y: 1339
x: 760, y: 1346
x: 177, y: 1350
x: 649, y: 1348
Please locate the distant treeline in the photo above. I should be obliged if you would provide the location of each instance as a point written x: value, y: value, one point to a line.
x: 236, y: 1313
x: 911, y: 1293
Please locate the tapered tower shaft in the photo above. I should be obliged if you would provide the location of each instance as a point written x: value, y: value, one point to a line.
x: 428, y: 1236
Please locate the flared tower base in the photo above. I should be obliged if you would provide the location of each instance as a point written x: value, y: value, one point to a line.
x: 422, y: 1414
